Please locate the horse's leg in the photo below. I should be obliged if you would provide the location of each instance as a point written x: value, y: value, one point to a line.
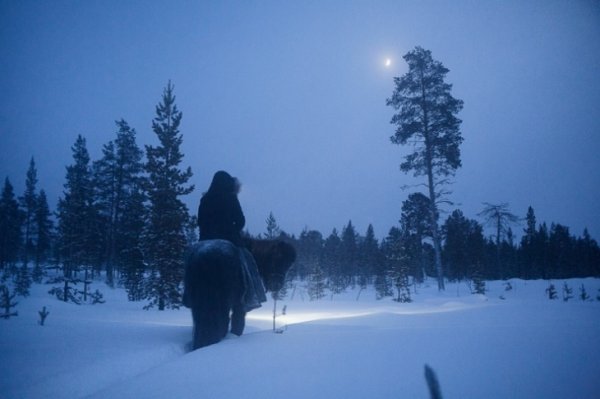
x: 238, y: 319
x: 206, y: 313
x: 199, y: 339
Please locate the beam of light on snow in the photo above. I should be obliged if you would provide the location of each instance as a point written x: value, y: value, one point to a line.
x: 295, y: 317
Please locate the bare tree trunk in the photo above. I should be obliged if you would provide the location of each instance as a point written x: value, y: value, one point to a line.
x: 274, y: 312
x: 432, y: 197
x: 434, y: 225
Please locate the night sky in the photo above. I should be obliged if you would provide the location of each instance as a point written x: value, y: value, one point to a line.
x: 290, y: 97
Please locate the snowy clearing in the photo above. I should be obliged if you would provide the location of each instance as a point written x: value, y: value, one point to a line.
x: 523, y: 346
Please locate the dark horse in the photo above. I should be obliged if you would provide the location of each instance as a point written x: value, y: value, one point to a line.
x: 214, y: 284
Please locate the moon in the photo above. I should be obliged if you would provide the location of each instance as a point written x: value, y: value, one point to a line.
x: 388, y: 62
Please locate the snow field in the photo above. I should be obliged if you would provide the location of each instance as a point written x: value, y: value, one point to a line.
x: 524, y: 346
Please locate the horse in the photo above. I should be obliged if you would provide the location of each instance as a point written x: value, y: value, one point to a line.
x: 214, y: 283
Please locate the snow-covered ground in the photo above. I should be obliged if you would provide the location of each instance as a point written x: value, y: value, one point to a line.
x: 523, y: 346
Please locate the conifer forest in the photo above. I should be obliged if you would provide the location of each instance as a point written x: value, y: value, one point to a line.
x: 122, y: 219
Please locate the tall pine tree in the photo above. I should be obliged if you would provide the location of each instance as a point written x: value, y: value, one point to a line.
x: 426, y: 120
x: 165, y: 236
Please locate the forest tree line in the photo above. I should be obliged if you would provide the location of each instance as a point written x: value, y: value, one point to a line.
x: 106, y: 233
x: 405, y: 257
x: 121, y: 216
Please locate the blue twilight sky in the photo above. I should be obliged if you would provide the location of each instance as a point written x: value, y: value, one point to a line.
x: 290, y: 97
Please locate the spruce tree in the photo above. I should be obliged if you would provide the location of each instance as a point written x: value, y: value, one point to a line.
x: 464, y: 247
x: 130, y: 248
x: 130, y: 212
x: 118, y: 181
x: 426, y: 121
x: 331, y: 264
x: 310, y: 253
x: 349, y: 254
x: 105, y: 192
x: 23, y: 281
x: 28, y: 204
x: 273, y: 229
x: 79, y: 244
x: 415, y: 219
x: 43, y: 227
x: 391, y: 252
x: 400, y: 257
x: 316, y: 283
x: 588, y: 256
x: 165, y: 235
x: 368, y: 257
x: 10, y: 226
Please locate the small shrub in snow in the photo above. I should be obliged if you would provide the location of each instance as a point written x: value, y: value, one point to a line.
x: 583, y: 295
x: 7, y: 303
x: 567, y: 292
x: 23, y: 281
x: 43, y: 314
x: 37, y: 274
x: 96, y: 297
x: 66, y: 293
x: 69, y: 293
x: 551, y: 292
x: 508, y: 286
x: 478, y: 286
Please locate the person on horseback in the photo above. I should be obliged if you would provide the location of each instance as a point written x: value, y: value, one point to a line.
x: 220, y: 216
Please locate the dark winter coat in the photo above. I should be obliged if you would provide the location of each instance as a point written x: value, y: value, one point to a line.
x: 220, y: 214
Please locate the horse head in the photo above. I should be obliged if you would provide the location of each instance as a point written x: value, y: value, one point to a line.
x: 273, y: 258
